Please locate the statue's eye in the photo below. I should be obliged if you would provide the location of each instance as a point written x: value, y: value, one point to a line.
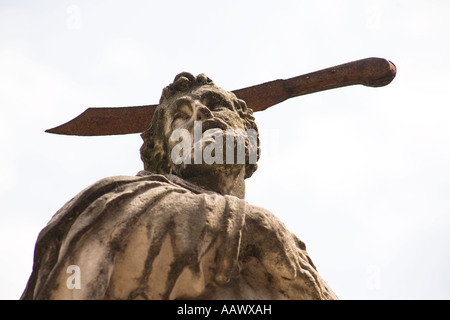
x: 215, y: 106
x: 181, y: 115
x: 179, y: 118
x: 216, y: 103
x: 212, y: 103
x: 183, y: 109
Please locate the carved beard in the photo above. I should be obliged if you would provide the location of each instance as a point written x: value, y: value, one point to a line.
x: 193, y: 169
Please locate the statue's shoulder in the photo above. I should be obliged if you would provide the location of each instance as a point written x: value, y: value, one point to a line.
x: 106, y: 189
x: 142, y: 180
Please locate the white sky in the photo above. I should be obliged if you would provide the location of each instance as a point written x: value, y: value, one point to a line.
x: 360, y: 174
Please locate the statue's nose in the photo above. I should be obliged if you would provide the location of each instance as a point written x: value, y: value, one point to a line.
x: 202, y: 112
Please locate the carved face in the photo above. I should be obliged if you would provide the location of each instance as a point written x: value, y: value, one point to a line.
x: 205, y: 115
x: 202, y: 113
x: 215, y: 107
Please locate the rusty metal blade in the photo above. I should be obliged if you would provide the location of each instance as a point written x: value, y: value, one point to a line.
x: 108, y: 121
x: 373, y: 72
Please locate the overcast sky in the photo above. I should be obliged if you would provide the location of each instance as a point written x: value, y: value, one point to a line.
x: 361, y: 175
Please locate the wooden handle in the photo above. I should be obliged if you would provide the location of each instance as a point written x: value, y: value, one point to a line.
x: 372, y: 72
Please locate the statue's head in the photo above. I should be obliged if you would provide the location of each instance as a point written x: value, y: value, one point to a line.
x: 191, y: 103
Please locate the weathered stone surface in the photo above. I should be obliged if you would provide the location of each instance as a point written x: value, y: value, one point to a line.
x: 175, y: 231
x: 132, y: 239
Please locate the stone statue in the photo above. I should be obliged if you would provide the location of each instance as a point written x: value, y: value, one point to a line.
x: 179, y: 229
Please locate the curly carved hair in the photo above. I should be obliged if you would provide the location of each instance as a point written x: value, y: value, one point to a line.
x: 155, y: 153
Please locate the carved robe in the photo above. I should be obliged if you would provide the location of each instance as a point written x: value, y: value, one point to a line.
x: 160, y: 237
